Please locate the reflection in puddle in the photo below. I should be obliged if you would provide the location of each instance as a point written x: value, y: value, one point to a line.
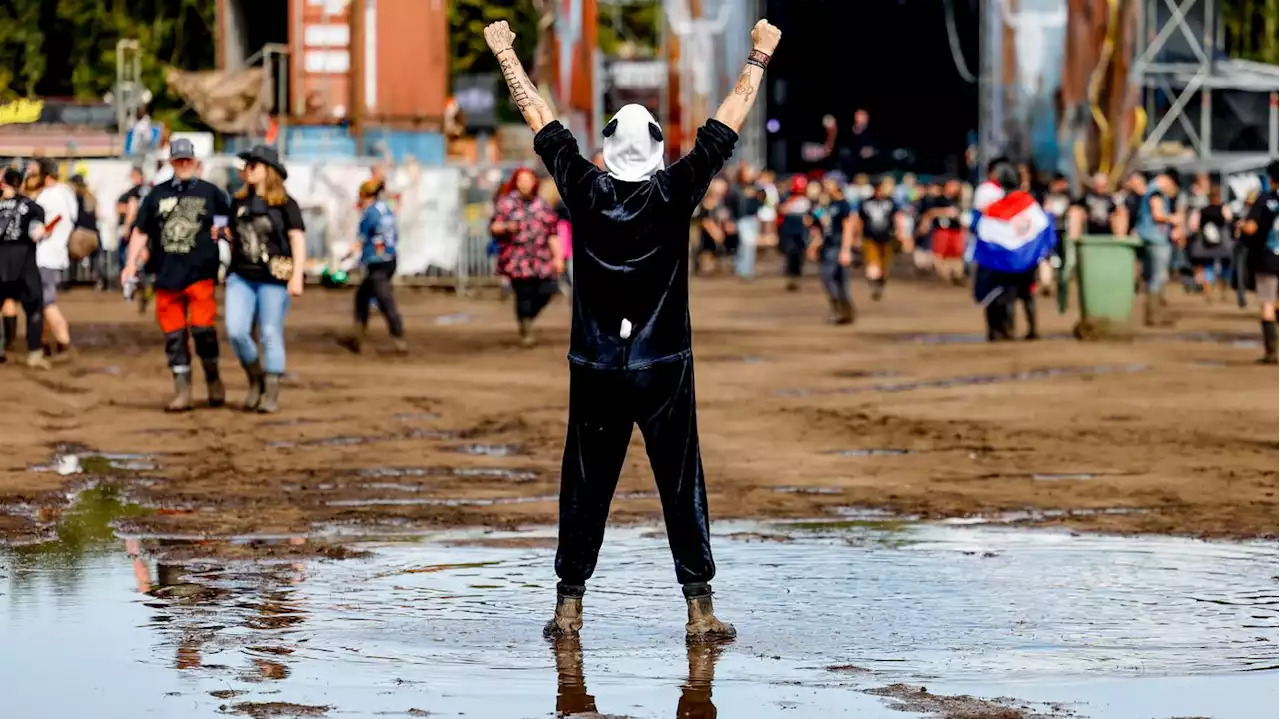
x: 511, y: 475
x: 74, y: 459
x: 460, y: 318
x: 466, y: 502
x: 455, y: 628
x: 971, y: 380
x: 362, y: 439
x: 489, y: 450
x: 1050, y: 477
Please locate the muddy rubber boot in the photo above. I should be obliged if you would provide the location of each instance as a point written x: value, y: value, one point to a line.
x: 181, y: 401
x: 1268, y: 342
x: 270, y: 403
x: 703, y: 627
x: 10, y: 333
x: 254, y: 397
x: 399, y: 345
x: 568, y: 618
x: 526, y: 334
x: 63, y: 354
x: 37, y: 360
x: 354, y: 341
x: 213, y: 382
x: 877, y: 290
x: 847, y: 314
x: 1029, y: 309
x: 1154, y: 313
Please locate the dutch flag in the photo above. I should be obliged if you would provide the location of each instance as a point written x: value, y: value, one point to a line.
x: 1013, y: 234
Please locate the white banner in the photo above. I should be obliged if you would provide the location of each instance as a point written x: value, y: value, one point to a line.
x: 427, y: 202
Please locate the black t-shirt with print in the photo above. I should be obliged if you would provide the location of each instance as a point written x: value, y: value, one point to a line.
x: 1098, y: 208
x: 1261, y: 244
x: 260, y: 249
x: 1056, y: 204
x: 17, y: 250
x: 838, y: 212
x: 177, y: 218
x: 944, y: 222
x: 877, y: 214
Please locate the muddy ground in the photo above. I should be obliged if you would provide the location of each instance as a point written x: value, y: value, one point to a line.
x: 908, y: 411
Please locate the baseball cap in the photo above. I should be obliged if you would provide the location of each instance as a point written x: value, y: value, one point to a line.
x: 182, y: 149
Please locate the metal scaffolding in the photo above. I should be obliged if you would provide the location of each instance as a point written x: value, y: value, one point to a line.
x: 1177, y: 60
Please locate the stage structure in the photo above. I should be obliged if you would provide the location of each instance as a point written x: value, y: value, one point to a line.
x: 1221, y: 112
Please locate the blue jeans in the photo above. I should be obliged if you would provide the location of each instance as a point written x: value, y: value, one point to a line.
x: 748, y: 237
x: 1155, y: 266
x: 267, y: 303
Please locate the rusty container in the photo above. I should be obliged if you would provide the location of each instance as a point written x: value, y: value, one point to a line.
x: 400, y: 68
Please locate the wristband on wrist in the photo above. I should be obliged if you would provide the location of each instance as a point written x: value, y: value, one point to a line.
x: 759, y: 59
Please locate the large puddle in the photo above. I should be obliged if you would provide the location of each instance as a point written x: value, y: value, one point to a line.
x: 836, y: 619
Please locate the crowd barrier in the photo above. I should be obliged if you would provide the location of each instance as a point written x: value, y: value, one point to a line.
x: 443, y: 213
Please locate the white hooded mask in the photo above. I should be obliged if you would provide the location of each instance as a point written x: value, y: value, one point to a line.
x: 633, y: 147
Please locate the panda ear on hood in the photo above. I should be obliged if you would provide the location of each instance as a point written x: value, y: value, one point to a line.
x: 611, y: 128
x: 655, y: 132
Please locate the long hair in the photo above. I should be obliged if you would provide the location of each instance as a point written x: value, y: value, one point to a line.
x: 272, y: 188
x: 512, y: 182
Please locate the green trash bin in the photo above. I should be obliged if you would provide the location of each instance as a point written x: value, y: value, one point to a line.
x: 1105, y: 277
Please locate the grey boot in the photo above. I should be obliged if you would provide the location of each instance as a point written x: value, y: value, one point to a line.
x: 181, y: 401
x: 703, y: 626
x: 568, y: 618
x: 254, y: 373
x: 270, y: 403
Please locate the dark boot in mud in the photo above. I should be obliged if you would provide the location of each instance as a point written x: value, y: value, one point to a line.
x: 703, y: 626
x: 254, y: 397
x: 399, y: 346
x: 568, y: 619
x: 1029, y: 309
x: 846, y: 312
x: 213, y: 381
x: 270, y: 403
x: 181, y: 401
x: 1154, y: 312
x: 1268, y: 342
x: 526, y: 334
x: 353, y: 342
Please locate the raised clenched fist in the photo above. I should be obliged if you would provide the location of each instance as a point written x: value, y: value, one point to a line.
x: 765, y: 37
x: 499, y: 36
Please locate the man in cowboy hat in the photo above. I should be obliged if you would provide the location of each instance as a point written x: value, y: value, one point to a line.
x: 177, y: 225
x: 629, y: 350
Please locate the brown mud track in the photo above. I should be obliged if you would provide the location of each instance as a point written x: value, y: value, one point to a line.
x: 907, y: 412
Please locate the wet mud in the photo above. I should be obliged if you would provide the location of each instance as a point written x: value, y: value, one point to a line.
x: 996, y: 623
x: 902, y: 412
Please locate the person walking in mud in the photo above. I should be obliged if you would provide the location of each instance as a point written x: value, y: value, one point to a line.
x: 630, y: 351
x: 1261, y: 237
x: 177, y: 227
x: 268, y: 256
x: 835, y: 252
x: 528, y: 249
x: 1154, y: 226
x: 1013, y: 235
x: 875, y: 228
x: 795, y: 230
x: 21, y: 227
x: 376, y: 247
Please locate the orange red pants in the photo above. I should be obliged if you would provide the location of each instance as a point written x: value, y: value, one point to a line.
x: 194, y: 306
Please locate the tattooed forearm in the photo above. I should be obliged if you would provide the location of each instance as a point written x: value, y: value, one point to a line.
x: 525, y: 96
x: 733, y: 111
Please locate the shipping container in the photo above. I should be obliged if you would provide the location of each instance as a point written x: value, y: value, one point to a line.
x: 402, y: 63
x: 375, y: 63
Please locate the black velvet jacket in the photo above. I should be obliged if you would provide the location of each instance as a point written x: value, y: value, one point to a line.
x: 631, y: 249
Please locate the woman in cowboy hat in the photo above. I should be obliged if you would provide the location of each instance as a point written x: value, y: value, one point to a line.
x: 268, y: 252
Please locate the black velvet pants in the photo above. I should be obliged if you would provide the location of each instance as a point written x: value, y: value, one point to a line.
x: 603, y: 407
x: 532, y: 296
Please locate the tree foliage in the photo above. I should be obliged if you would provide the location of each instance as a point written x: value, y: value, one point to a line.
x: 1252, y: 29
x: 67, y: 48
